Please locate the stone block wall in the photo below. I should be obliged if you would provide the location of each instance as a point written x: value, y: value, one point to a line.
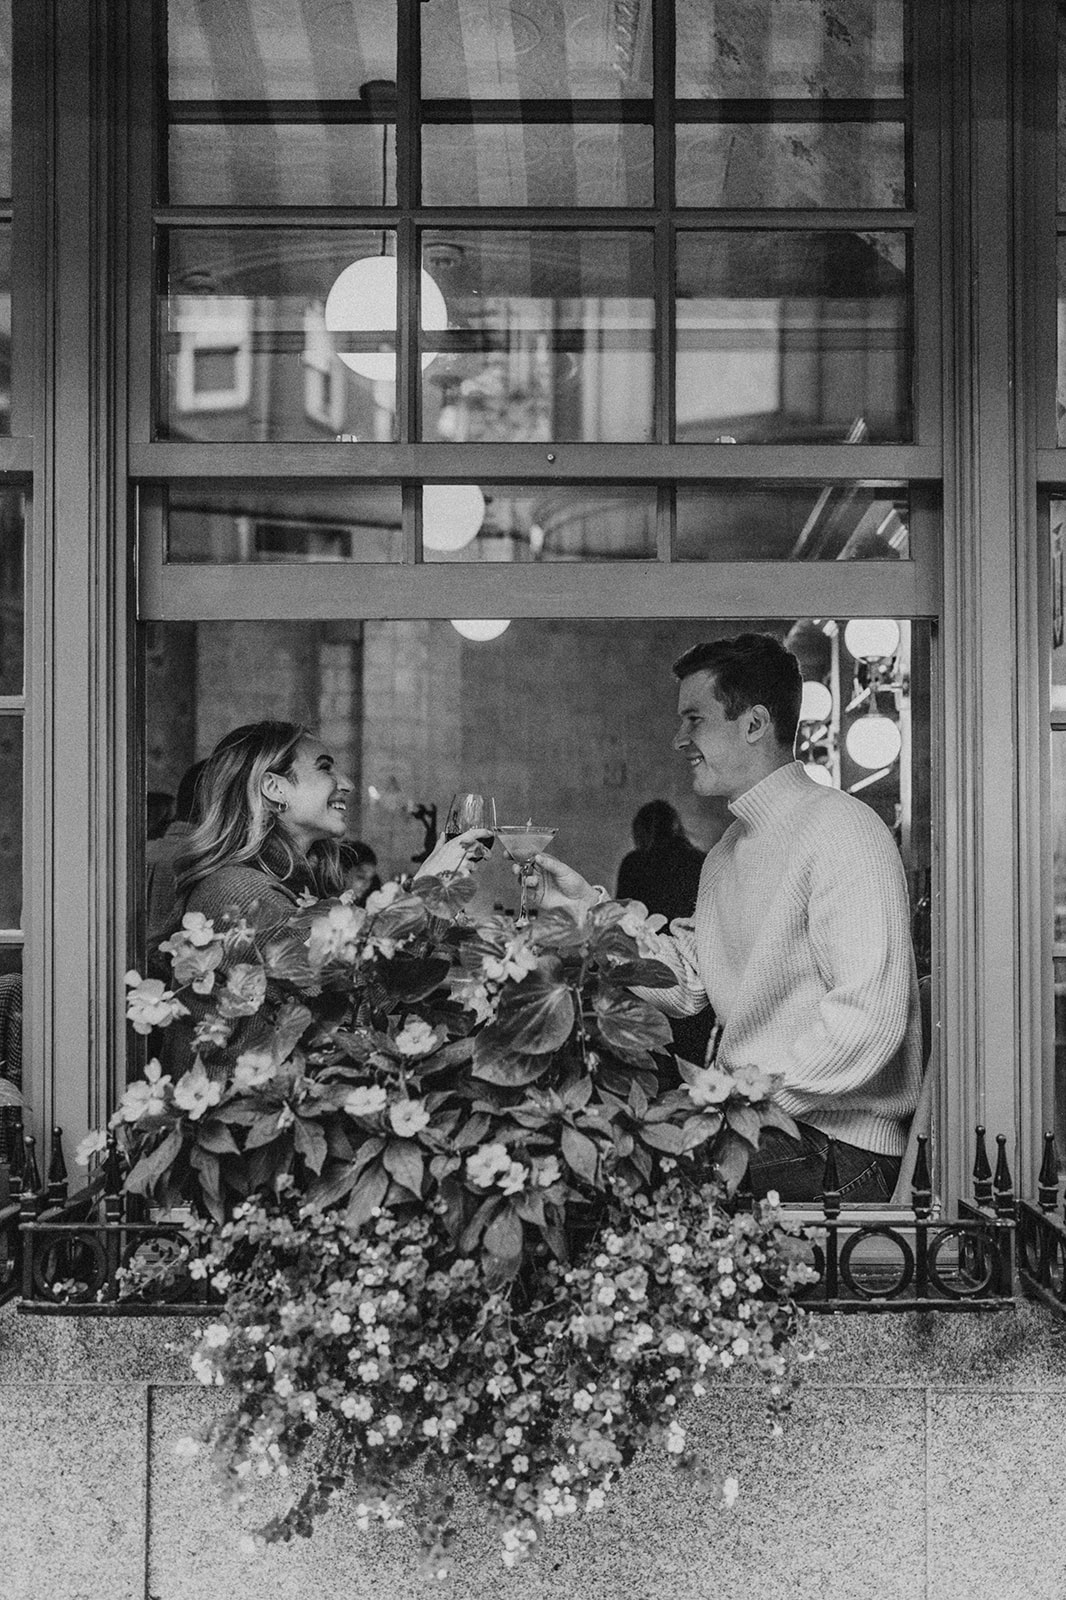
x: 922, y: 1462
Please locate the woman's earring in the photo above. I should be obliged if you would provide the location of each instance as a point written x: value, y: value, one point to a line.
x: 280, y: 806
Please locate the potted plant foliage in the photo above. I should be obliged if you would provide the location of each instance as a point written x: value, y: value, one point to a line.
x: 450, y: 1217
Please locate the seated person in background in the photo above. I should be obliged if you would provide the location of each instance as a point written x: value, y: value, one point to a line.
x: 159, y: 855
x: 663, y: 872
x: 801, y: 937
x: 359, y: 868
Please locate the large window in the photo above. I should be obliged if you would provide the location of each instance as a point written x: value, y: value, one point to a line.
x: 616, y: 326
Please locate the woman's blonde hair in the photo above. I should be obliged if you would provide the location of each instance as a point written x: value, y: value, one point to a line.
x: 237, y: 821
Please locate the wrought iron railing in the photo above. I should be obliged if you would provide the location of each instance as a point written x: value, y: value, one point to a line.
x: 71, y: 1254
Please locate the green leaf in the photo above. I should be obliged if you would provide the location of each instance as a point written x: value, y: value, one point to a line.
x: 697, y: 1130
x: 644, y: 974
x: 9, y: 1095
x: 290, y: 1024
x: 628, y: 1025
x: 478, y: 1223
x: 285, y: 960
x: 263, y: 1130
x: 403, y: 1161
x: 310, y: 1142
x: 207, y: 1166
x: 404, y: 916
x: 530, y: 1207
x: 266, y: 1162
x: 663, y: 1136
x: 444, y: 896
x: 744, y: 1120
x: 367, y: 1195
x: 502, y: 1247
x: 732, y: 1160
x: 472, y: 1132
x: 148, y: 1171
x: 337, y: 1179
x: 506, y: 1068
x: 556, y: 930
x: 773, y: 1117
x: 535, y: 1016
x: 215, y: 1136
x: 412, y: 980
x: 581, y: 1154
x: 638, y: 1100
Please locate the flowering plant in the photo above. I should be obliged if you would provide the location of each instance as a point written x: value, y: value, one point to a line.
x: 450, y: 1211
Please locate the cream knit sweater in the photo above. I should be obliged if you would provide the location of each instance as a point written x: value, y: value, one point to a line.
x: 801, y: 943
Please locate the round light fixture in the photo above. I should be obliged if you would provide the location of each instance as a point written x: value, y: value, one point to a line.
x: 452, y: 514
x: 481, y: 629
x: 873, y: 741
x: 871, y: 638
x: 363, y: 300
x: 820, y: 774
x: 817, y: 703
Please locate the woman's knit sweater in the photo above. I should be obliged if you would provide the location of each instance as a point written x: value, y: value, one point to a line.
x: 801, y: 943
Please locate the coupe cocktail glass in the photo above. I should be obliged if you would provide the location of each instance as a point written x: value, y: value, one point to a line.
x: 522, y: 841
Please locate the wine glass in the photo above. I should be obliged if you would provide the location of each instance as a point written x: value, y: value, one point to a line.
x: 521, y: 841
x: 470, y: 811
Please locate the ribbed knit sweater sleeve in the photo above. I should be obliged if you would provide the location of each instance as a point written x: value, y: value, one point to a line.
x: 858, y: 927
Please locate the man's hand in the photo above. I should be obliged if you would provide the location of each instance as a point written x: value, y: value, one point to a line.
x: 559, y: 887
x: 458, y: 854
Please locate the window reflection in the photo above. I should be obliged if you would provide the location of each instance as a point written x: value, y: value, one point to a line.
x: 799, y: 164
x: 551, y: 336
x: 556, y: 49
x: 253, y: 348
x: 537, y: 164
x: 843, y: 522
x: 747, y: 49
x: 314, y: 523
x: 463, y: 522
x: 793, y: 335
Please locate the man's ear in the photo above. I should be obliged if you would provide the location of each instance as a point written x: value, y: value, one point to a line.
x: 757, y: 723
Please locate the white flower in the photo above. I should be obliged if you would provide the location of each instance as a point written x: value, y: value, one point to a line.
x: 382, y: 897
x: 357, y: 1406
x: 518, y: 959
x: 392, y: 1424
x: 340, y: 1323
x: 741, y: 1346
x: 513, y: 1436
x: 547, y: 1171
x: 674, y: 1343
x: 336, y: 936
x: 216, y: 1334
x: 366, y: 1100
x: 197, y: 929
x: 596, y: 1500
x: 520, y: 1464
x: 727, y: 1287
x: 709, y: 1087
x: 643, y: 928
x: 431, y: 1427
x: 408, y: 1117
x: 186, y: 1448
x: 675, y: 1438
x: 253, y: 1069
x: 417, y: 1038
x: 730, y: 1491
x: 150, y: 1004
x: 374, y: 1437
x: 93, y: 1144
x: 772, y: 1198
x: 513, y: 1180
x: 486, y: 1164
x: 582, y: 1401
x: 145, y: 1098
x: 473, y: 996
x: 195, y: 1092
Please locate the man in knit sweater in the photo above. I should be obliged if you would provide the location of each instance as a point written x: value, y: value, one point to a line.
x: 801, y: 937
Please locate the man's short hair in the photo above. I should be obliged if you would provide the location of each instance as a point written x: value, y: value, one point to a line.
x: 753, y: 669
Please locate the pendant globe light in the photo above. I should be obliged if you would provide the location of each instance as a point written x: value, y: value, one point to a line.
x: 363, y: 300
x: 452, y: 514
x: 363, y: 296
x: 481, y: 629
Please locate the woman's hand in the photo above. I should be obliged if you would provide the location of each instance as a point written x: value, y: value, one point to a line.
x: 458, y: 854
x: 560, y: 887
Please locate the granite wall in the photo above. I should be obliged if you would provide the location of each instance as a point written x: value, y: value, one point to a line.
x: 923, y: 1461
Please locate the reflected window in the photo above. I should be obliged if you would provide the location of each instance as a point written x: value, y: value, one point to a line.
x: 793, y: 335
x: 843, y: 522
x: 318, y: 522
x: 465, y: 522
x: 550, y: 336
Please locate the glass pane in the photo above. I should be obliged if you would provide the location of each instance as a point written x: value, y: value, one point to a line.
x: 464, y: 522
x: 550, y: 336
x: 793, y: 335
x: 238, y: 164
x: 556, y: 49
x: 5, y: 97
x: 845, y: 522
x: 798, y: 164
x: 755, y: 49
x: 5, y: 330
x: 12, y: 591
x: 272, y: 334
x: 315, y: 523
x: 1060, y: 403
x: 414, y: 711
x: 260, y: 50
x: 11, y: 821
x: 276, y: 105
x: 537, y: 164
x: 1058, y: 608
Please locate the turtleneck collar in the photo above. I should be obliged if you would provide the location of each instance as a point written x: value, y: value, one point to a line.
x: 764, y: 800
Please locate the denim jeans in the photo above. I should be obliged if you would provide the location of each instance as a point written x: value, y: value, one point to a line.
x: 795, y: 1167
